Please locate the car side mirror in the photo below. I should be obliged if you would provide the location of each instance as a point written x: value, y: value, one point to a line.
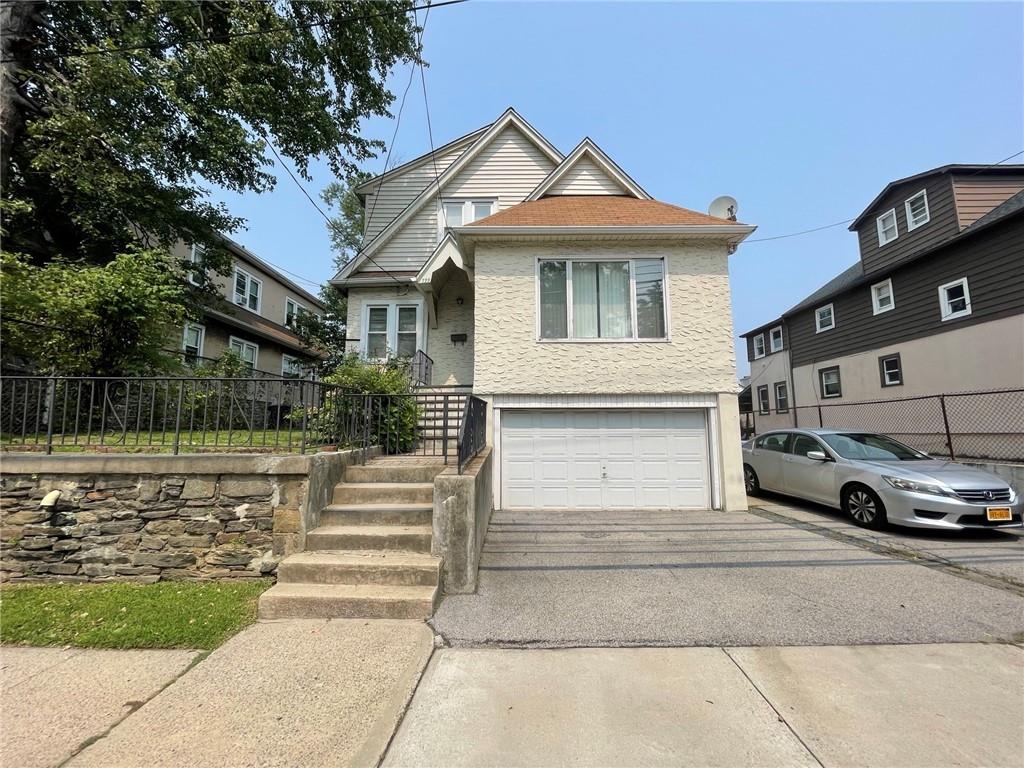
x: 817, y: 455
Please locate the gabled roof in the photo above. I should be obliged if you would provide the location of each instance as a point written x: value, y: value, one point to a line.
x: 597, y: 211
x: 588, y: 149
x: 509, y: 118
x: 951, y: 168
x: 848, y: 278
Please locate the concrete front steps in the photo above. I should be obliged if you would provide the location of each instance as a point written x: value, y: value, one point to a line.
x: 370, y: 556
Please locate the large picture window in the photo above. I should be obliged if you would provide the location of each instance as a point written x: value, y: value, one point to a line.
x: 602, y: 300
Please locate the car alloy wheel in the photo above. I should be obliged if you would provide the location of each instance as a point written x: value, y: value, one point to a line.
x: 864, y: 507
x: 750, y: 482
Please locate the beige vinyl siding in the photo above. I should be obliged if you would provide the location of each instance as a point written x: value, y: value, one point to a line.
x: 507, y: 170
x: 585, y: 177
x: 977, y: 195
x: 396, y: 193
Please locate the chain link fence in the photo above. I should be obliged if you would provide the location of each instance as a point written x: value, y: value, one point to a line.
x: 958, y: 425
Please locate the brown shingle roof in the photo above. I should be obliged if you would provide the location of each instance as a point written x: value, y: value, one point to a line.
x: 596, y: 211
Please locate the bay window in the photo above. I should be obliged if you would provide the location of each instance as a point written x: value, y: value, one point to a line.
x: 608, y: 299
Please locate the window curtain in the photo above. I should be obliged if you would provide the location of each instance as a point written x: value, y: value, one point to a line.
x: 584, y: 300
x: 613, y: 296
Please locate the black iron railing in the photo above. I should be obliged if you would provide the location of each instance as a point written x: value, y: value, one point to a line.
x: 472, y: 430
x: 421, y: 369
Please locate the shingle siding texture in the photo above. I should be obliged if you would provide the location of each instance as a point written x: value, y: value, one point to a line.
x: 510, y: 360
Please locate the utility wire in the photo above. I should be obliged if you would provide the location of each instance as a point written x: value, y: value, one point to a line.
x: 426, y: 109
x: 250, y: 33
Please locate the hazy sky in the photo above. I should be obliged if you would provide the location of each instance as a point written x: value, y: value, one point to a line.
x: 802, y: 111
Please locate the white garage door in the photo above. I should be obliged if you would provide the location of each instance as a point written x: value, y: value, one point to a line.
x: 591, y: 459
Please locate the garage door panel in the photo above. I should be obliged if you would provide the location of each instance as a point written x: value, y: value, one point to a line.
x: 604, y: 459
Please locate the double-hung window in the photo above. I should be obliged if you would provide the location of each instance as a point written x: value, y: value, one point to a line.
x: 887, y: 227
x: 890, y: 370
x: 457, y: 213
x: 192, y: 341
x: 759, y: 346
x: 776, y: 338
x: 248, y: 290
x: 781, y: 397
x: 292, y: 309
x: 291, y: 367
x: 824, y: 318
x: 392, y: 330
x: 246, y: 350
x: 917, y: 210
x: 196, y: 257
x: 831, y: 385
x: 882, y: 299
x: 610, y: 299
x: 763, y: 405
x: 954, y: 299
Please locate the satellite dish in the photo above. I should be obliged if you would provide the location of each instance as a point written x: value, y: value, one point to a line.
x: 724, y: 207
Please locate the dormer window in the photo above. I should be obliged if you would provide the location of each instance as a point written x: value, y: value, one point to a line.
x: 917, y: 210
x: 776, y: 338
x: 887, y: 230
x: 824, y: 318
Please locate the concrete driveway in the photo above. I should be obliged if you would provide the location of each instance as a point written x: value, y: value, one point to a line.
x: 557, y: 579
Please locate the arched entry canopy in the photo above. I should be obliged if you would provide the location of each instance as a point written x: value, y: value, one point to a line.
x: 446, y: 259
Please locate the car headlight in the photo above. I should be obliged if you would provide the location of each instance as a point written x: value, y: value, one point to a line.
x: 902, y: 484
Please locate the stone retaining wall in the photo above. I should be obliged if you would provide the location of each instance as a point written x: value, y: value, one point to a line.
x: 157, y: 517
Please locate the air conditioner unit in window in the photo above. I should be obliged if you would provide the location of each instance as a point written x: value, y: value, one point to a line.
x: 239, y: 301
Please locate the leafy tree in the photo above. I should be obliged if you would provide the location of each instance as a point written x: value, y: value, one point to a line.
x: 75, y: 319
x: 346, y: 227
x: 115, y: 114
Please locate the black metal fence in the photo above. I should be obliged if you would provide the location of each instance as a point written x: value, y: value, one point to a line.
x: 200, y: 414
x: 960, y: 425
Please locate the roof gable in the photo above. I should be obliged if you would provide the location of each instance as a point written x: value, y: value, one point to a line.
x: 509, y: 118
x: 587, y: 170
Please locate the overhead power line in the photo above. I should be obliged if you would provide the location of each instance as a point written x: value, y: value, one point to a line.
x: 249, y: 33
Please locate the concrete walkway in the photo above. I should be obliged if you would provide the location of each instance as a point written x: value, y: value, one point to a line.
x: 919, y: 705
x: 54, y: 700
x: 557, y: 579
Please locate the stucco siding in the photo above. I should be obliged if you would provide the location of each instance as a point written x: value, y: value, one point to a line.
x: 975, y: 357
x: 585, y: 178
x: 698, y: 358
x: 453, y: 363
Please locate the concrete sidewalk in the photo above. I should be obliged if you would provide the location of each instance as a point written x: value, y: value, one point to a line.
x: 290, y: 693
x: 917, y: 705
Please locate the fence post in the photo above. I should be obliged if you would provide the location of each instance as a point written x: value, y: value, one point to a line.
x: 945, y: 423
x: 821, y: 423
x: 51, y: 405
x: 177, y: 418
x: 444, y: 429
x: 302, y: 404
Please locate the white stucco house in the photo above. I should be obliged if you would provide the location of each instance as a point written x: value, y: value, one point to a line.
x: 594, y: 320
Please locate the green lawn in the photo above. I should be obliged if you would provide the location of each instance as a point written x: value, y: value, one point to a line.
x: 167, y: 614
x: 223, y: 440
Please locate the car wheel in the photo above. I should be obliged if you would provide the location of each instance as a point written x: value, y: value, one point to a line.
x: 864, y: 507
x: 750, y: 481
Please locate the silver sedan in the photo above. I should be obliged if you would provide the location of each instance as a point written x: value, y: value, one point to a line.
x: 875, y: 479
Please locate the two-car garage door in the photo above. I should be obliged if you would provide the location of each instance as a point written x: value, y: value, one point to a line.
x: 604, y: 459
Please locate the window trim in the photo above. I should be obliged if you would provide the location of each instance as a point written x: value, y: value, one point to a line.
x: 764, y: 349
x: 911, y: 226
x: 944, y: 304
x: 249, y: 278
x: 875, y: 308
x: 392, y: 306
x: 896, y: 225
x: 293, y: 358
x: 634, y: 339
x: 763, y: 408
x: 246, y: 342
x: 899, y: 369
x: 289, y: 300
x: 775, y: 391
x: 202, y: 337
x: 771, y: 339
x: 817, y: 317
x: 821, y: 382
x: 467, y: 206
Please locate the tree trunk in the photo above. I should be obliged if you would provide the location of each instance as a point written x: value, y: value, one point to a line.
x: 19, y: 23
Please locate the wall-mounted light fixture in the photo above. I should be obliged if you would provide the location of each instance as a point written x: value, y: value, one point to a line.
x: 460, y: 301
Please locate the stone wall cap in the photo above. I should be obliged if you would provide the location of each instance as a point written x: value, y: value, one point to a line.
x: 162, y: 464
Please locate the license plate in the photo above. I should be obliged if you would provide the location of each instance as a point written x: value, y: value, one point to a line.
x: 998, y: 513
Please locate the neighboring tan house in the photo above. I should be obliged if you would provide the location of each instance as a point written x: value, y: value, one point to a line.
x: 934, y: 305
x: 594, y: 320
x: 254, y: 318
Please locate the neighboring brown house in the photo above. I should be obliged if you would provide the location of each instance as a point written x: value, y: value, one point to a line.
x: 254, y: 318
x: 934, y: 305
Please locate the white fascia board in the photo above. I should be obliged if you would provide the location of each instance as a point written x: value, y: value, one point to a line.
x: 510, y: 117
x: 373, y: 282
x: 588, y: 148
x: 447, y: 249
x: 739, y: 231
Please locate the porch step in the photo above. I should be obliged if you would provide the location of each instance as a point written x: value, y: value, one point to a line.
x: 377, y: 514
x: 403, y: 569
x: 387, y: 492
x: 384, y: 472
x: 347, y: 601
x: 409, y: 538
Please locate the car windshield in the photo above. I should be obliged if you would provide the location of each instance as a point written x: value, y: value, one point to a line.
x: 851, y: 445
